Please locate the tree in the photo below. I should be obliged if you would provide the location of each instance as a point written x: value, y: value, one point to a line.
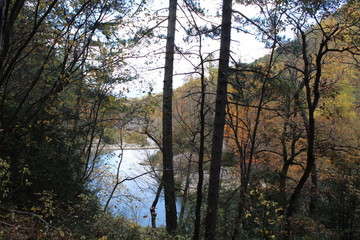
x: 54, y: 102
x: 168, y: 169
x: 314, y: 55
x: 301, y: 64
x: 219, y: 122
x: 244, y: 127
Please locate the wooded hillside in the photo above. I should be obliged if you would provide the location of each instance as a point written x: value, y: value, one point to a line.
x: 281, y: 162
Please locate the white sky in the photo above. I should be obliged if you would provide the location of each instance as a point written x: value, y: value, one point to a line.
x: 244, y: 47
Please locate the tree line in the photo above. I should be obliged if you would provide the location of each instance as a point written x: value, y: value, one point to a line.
x: 271, y: 146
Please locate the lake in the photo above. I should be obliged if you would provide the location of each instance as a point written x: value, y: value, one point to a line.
x: 133, y: 198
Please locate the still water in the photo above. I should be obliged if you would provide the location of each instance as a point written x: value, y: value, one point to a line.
x: 134, y: 198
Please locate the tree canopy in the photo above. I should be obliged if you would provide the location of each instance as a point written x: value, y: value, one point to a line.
x: 269, y: 151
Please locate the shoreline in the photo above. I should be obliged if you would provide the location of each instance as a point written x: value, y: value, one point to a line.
x: 126, y: 147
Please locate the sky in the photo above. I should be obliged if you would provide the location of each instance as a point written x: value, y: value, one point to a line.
x: 149, y: 69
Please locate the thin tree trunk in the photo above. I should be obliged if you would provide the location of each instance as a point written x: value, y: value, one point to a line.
x: 312, y: 99
x: 118, y: 181
x: 219, y: 122
x: 313, y: 190
x: 153, y: 205
x: 186, y: 193
x: 168, y: 174
x: 305, y: 176
x: 240, y: 210
x: 199, y: 192
x: 2, y: 20
x: 282, y: 182
x: 246, y: 170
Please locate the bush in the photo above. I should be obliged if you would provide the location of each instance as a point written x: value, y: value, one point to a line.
x: 305, y: 228
x: 115, y: 228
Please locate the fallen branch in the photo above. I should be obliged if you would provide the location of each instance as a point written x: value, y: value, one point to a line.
x: 34, y: 215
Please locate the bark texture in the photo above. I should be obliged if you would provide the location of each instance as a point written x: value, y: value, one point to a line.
x: 219, y: 122
x: 168, y: 173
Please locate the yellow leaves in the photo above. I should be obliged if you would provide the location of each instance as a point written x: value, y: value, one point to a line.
x: 5, y: 176
x: 46, y: 66
x: 47, y: 207
x: 112, y: 98
x: 45, y: 122
x: 42, y: 5
x: 340, y: 104
x: 62, y: 234
x: 262, y: 213
x: 57, y: 31
x: 71, y: 43
x: 21, y: 17
x: 280, y: 209
x: 107, y: 30
x: 104, y: 238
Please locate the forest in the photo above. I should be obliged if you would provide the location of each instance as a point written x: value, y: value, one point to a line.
x: 262, y: 148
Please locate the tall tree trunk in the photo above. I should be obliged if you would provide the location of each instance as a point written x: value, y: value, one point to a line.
x: 312, y: 99
x: 219, y: 122
x: 168, y: 174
